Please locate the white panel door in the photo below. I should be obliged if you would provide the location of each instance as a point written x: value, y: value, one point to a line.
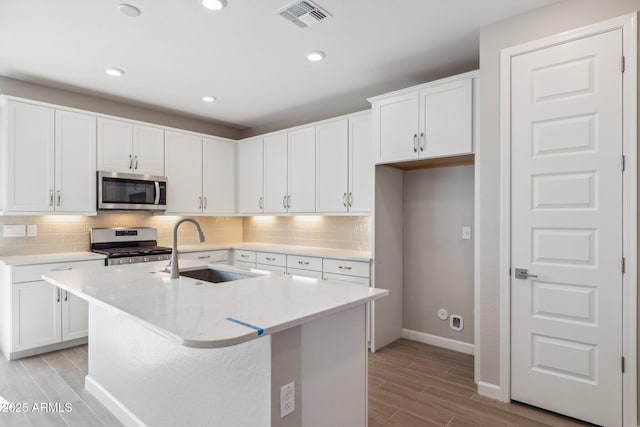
x: 115, y: 146
x: 446, y: 119
x: 35, y: 315
x: 249, y: 176
x: 30, y: 158
x: 398, y: 120
x: 332, y: 149
x: 275, y: 173
x: 361, y: 164
x: 148, y: 150
x: 302, y: 170
x: 75, y: 165
x: 75, y: 316
x: 566, y: 335
x: 183, y: 166
x: 218, y: 171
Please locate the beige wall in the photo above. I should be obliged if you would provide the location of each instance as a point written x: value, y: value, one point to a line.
x: 340, y: 232
x: 438, y: 263
x: 69, y: 233
x: 115, y: 108
x: 547, y: 21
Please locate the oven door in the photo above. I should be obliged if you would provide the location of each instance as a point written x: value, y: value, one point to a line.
x: 125, y: 191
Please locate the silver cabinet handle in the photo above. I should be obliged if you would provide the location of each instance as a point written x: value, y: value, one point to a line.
x: 58, y: 300
x: 135, y: 165
x: 422, y: 141
x: 342, y: 267
x: 205, y: 203
x: 66, y: 295
x: 130, y: 162
x: 62, y: 269
x: 244, y: 256
x: 270, y: 259
x: 284, y: 202
x: 59, y: 198
x: 350, y: 199
x: 344, y: 200
x: 303, y: 263
x: 523, y: 273
x: 204, y: 256
x: 261, y: 203
x: 200, y: 204
x: 415, y: 142
x: 289, y: 201
x: 50, y: 197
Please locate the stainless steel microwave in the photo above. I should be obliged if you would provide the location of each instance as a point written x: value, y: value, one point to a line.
x: 131, y: 192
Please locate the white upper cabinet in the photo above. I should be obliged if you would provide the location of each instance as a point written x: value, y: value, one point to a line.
x: 130, y: 148
x: 183, y: 167
x: 275, y: 173
x: 218, y: 171
x: 48, y: 160
x: 302, y: 170
x: 361, y: 164
x: 427, y: 121
x: 249, y: 176
x: 332, y: 160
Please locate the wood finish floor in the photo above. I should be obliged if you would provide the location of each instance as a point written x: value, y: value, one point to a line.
x: 410, y: 384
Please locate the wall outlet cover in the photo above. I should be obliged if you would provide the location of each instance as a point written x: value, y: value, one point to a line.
x: 32, y: 230
x: 456, y: 322
x: 466, y: 233
x: 287, y: 399
x: 14, y: 231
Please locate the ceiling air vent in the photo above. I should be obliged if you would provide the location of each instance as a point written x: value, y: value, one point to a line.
x: 303, y: 13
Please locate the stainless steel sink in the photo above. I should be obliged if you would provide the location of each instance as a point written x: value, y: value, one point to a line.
x: 214, y: 276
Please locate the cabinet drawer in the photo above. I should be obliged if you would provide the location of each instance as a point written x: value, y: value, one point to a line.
x: 305, y: 273
x: 207, y: 256
x: 272, y: 259
x: 349, y: 268
x: 304, y: 262
x: 272, y: 268
x: 244, y: 256
x: 344, y: 278
x: 31, y: 273
x: 243, y: 264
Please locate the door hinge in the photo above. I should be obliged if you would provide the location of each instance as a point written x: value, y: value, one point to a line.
x: 622, y: 364
x: 624, y: 163
x: 623, y: 265
x: 622, y: 64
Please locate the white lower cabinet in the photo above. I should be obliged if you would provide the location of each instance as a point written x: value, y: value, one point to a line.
x: 36, y: 316
x: 216, y: 256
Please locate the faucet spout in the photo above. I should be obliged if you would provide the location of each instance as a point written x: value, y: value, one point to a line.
x: 175, y: 269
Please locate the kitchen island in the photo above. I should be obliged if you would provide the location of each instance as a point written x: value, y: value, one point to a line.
x: 189, y: 352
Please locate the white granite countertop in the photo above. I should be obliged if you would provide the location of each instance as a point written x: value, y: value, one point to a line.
x: 211, y: 315
x: 345, y: 254
x: 50, y: 258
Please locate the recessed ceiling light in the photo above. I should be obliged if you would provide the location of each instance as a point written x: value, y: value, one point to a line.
x: 214, y: 4
x: 208, y: 98
x: 116, y: 72
x: 129, y: 10
x: 316, y: 55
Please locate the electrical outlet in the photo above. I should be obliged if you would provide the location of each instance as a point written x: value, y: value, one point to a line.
x: 466, y: 233
x: 32, y: 230
x: 456, y: 322
x: 287, y: 399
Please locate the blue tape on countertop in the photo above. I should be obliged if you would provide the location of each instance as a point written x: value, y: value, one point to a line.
x: 248, y: 325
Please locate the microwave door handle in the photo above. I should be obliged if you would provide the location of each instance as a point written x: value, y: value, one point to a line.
x: 157, y: 200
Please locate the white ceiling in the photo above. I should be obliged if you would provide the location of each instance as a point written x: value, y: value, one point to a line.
x: 250, y: 59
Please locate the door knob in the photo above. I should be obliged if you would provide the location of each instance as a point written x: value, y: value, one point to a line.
x: 523, y: 273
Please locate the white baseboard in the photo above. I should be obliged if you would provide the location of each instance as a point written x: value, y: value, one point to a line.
x: 112, y: 404
x: 447, y: 343
x: 489, y: 390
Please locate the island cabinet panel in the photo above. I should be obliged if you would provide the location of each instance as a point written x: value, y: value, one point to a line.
x: 183, y: 166
x: 249, y: 176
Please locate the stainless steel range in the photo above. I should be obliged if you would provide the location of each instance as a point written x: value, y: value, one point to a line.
x: 128, y: 245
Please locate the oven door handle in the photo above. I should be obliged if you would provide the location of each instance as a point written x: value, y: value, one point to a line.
x: 157, y: 199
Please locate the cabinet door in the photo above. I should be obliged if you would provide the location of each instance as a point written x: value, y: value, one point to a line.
x: 115, y: 146
x: 183, y: 166
x: 361, y: 165
x: 396, y: 123
x: 275, y: 173
x: 218, y: 187
x: 249, y: 176
x: 75, y: 166
x: 30, y: 158
x: 35, y: 316
x: 148, y: 150
x: 446, y: 119
x: 332, y: 147
x: 75, y: 317
x: 302, y: 170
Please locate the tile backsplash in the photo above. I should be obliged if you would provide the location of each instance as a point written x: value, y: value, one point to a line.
x: 339, y: 232
x: 68, y: 233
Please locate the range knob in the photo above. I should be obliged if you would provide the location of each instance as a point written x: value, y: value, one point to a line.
x: 146, y: 259
x: 121, y: 261
x: 130, y: 260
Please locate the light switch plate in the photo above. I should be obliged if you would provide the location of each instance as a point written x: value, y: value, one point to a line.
x: 32, y: 230
x: 466, y: 233
x: 14, y: 231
